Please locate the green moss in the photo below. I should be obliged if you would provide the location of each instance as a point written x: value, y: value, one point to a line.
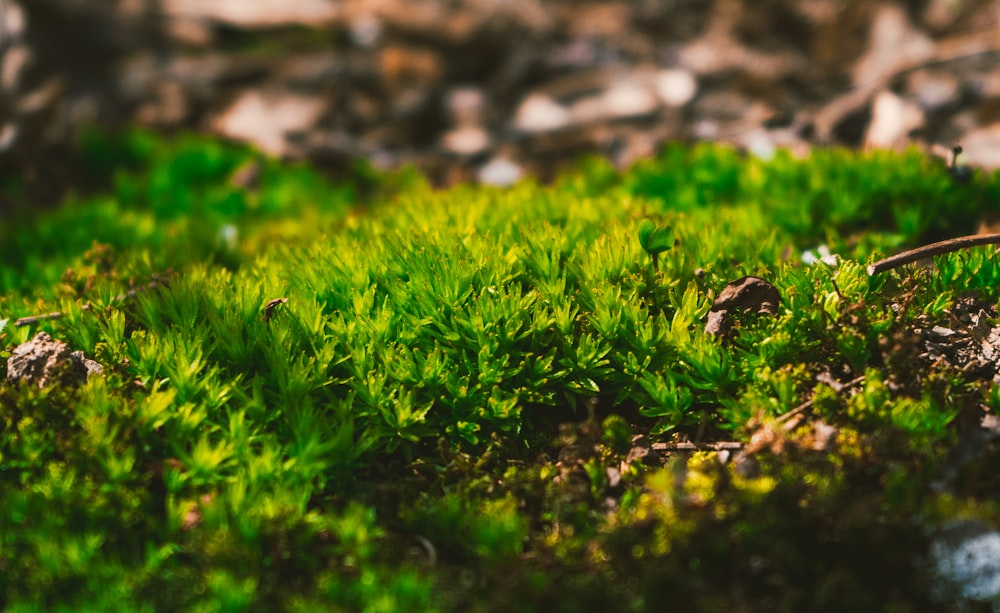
x: 378, y: 396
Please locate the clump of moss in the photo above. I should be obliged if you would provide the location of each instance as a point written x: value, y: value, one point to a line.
x: 485, y: 399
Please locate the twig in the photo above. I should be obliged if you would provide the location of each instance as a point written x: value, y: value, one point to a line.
x: 805, y: 406
x: 687, y: 446
x: 132, y: 293
x: 428, y: 548
x: 34, y: 319
x: 952, y: 244
x: 945, y: 50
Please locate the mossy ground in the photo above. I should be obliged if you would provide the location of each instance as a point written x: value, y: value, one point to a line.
x: 472, y: 399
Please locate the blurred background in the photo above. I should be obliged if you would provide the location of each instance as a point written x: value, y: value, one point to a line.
x: 492, y: 90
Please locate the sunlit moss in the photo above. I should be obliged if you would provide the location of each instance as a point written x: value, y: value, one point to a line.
x: 482, y: 398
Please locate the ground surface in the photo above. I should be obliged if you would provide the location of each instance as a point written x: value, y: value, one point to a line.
x: 482, y: 89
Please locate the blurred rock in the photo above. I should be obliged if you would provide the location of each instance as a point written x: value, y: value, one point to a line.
x: 265, y: 119
x: 630, y: 146
x: 190, y: 32
x: 14, y: 23
x: 365, y: 29
x: 941, y: 14
x: 458, y: 23
x: 675, y: 87
x: 627, y: 98
x: 466, y: 140
x: 599, y: 19
x: 14, y: 61
x: 759, y: 143
x: 465, y: 105
x: 540, y: 113
x: 965, y: 556
x: 41, y: 98
x: 818, y: 11
x: 255, y: 13
x: 8, y: 134
x: 500, y: 171
x: 893, y: 118
x: 933, y: 89
x: 981, y: 147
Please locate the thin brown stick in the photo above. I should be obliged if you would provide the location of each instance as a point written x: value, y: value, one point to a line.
x: 34, y: 319
x: 952, y: 244
x: 687, y: 446
x: 132, y: 293
x: 805, y: 406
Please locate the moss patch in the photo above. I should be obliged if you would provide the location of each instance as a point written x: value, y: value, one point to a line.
x: 379, y: 396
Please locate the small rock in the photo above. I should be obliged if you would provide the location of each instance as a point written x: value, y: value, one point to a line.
x: 981, y: 147
x: 466, y: 140
x: 42, y: 97
x: 628, y: 99
x: 43, y: 361
x: 251, y: 14
x: 365, y: 30
x: 675, y: 87
x: 614, y: 477
x: 966, y: 558
x: 820, y: 254
x: 939, y: 15
x: 15, y: 23
x: 266, y: 119
x: 465, y: 105
x: 892, y: 120
x: 540, y: 113
x: 93, y: 367
x: 500, y: 172
x: 589, y: 109
x: 758, y: 143
x: 8, y: 135
x: 751, y: 294
x: 13, y: 64
x: 933, y: 90
x: 822, y: 436
x: 641, y: 451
